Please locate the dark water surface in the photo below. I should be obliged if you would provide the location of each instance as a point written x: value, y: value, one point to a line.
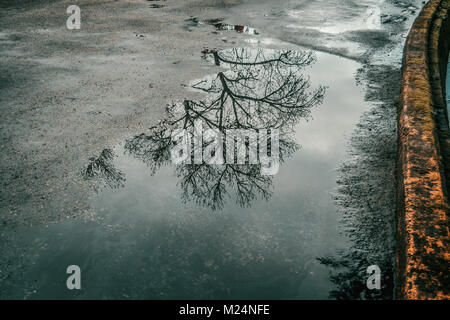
x: 179, y: 232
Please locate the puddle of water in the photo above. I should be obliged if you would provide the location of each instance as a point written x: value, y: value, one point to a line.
x: 177, y: 232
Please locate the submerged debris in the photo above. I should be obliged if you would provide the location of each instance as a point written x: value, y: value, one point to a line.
x: 388, y: 18
x: 237, y: 28
x: 195, y: 21
x: 220, y: 25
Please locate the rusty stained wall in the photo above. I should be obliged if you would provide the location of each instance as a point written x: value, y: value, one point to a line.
x: 423, y: 206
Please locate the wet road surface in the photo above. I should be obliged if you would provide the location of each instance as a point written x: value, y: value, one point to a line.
x: 149, y: 235
x: 150, y: 243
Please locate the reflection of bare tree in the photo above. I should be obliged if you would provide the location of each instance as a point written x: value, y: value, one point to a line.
x: 103, y: 167
x: 153, y: 149
x: 207, y: 184
x: 261, y: 90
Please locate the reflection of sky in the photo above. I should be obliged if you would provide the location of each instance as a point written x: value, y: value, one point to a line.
x: 149, y: 244
x: 322, y: 139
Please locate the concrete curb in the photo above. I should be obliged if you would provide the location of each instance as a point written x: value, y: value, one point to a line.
x: 422, y: 259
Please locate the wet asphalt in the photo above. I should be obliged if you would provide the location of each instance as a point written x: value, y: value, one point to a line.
x: 66, y: 95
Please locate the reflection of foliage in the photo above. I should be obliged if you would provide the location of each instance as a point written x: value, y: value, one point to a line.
x: 364, y: 197
x: 260, y: 90
x: 103, y: 167
x: 350, y: 274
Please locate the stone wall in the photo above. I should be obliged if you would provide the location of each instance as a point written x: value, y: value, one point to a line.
x: 422, y: 197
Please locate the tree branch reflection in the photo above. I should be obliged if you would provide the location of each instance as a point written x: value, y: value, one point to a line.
x: 262, y: 89
x: 103, y: 166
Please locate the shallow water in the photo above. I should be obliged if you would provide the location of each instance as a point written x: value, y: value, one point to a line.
x: 158, y: 238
